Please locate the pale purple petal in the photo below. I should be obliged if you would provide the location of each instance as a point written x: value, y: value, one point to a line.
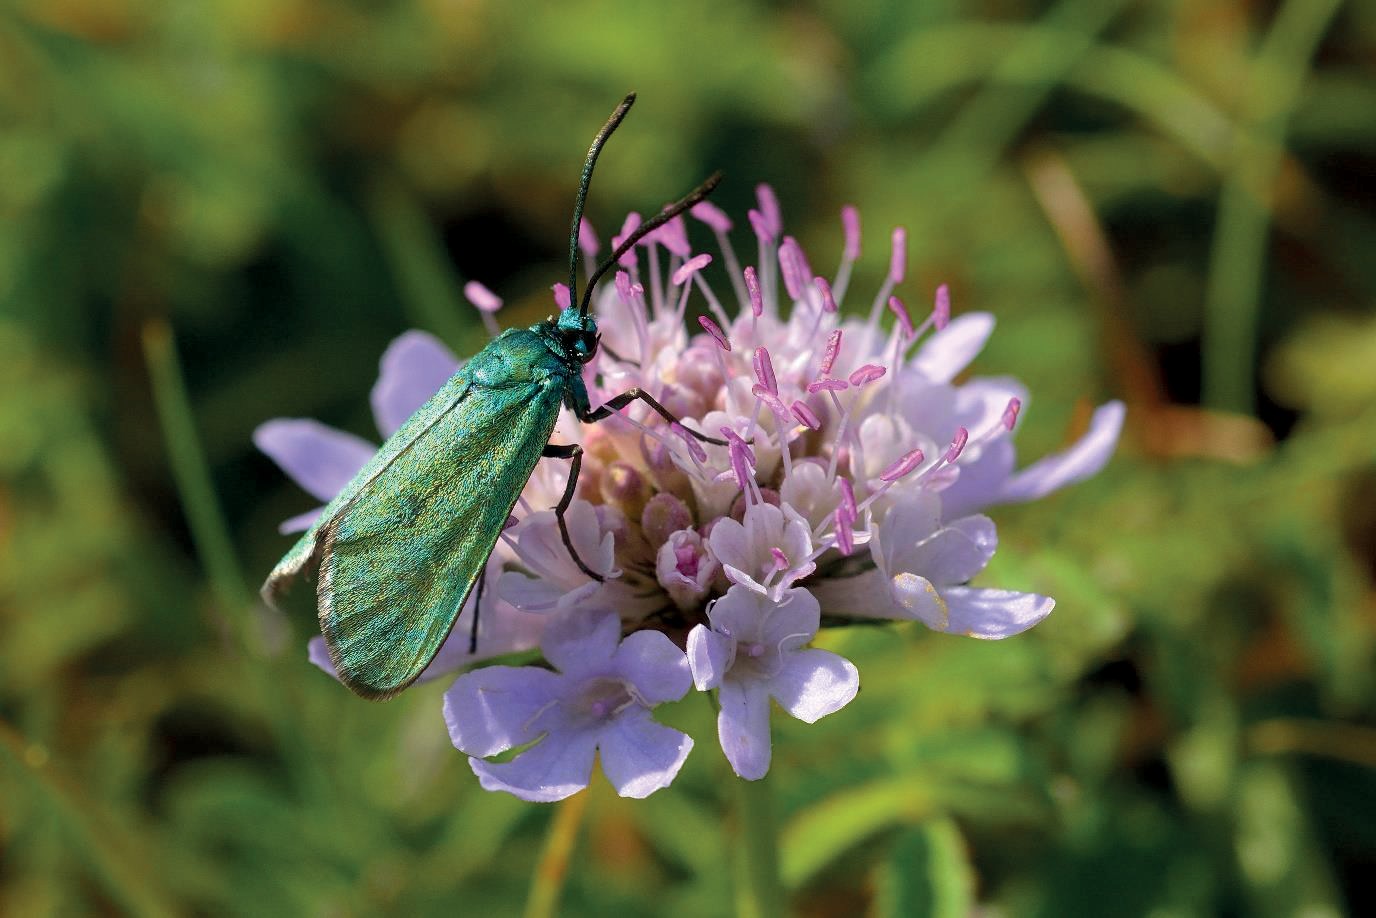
x: 317, y: 653
x: 741, y: 578
x: 743, y: 727
x: 914, y: 597
x: 981, y: 480
x: 640, y: 756
x: 1082, y: 460
x: 993, y: 614
x: 814, y: 683
x: 955, y: 553
x: 299, y: 523
x: 950, y: 350
x: 581, y: 641
x: 319, y: 458
x: 868, y: 595
x: 791, y: 622
x: 494, y: 709
x: 658, y: 670
x: 413, y: 368
x: 558, y: 766
x: 709, y: 656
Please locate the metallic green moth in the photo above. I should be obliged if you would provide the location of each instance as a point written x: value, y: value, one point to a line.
x: 395, y: 554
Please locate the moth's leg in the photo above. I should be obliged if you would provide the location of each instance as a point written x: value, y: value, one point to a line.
x: 573, y: 452
x: 617, y: 402
x: 477, y: 608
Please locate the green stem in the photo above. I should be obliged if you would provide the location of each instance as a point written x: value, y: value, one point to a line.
x: 547, y: 884
x: 1233, y: 296
x: 759, y: 893
x: 191, y: 473
x: 215, y: 549
x: 428, y: 283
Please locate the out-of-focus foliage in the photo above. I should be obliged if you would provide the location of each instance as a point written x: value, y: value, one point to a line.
x: 1167, y: 202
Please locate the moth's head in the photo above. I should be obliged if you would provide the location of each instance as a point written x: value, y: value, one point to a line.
x: 577, y: 334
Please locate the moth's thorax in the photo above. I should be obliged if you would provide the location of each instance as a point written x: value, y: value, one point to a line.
x: 520, y: 356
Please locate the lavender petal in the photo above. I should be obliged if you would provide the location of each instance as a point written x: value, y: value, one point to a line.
x: 1082, y: 460
x: 558, y: 766
x: 299, y: 523
x: 413, y: 368
x: 950, y: 350
x: 709, y: 656
x: 581, y: 641
x: 640, y: 756
x: 658, y: 670
x: 814, y: 683
x: 743, y: 727
x: 494, y: 709
x: 955, y: 553
x: 993, y: 614
x: 319, y: 458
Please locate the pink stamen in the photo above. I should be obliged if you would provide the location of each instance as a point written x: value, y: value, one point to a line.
x: 1010, y: 414
x: 827, y: 385
x: 775, y: 404
x: 833, y: 348
x: 828, y: 301
x: 740, y: 464
x: 848, y: 498
x: 769, y: 208
x: 484, y: 299
x: 866, y: 374
x: 904, y: 466
x: 764, y: 371
x: 845, y: 539
x: 806, y: 416
x: 712, y: 215
x: 691, y: 267
x: 850, y: 221
x: 561, y: 296
x: 957, y: 445
x: 673, y: 237
x: 941, y: 310
x: 690, y: 441
x: 587, y: 239
x: 623, y: 287
x: 900, y: 311
x: 715, y: 331
x: 780, y: 559
x: 898, y: 260
x: 628, y: 227
x: 752, y: 284
x: 790, y: 258
x: 760, y: 226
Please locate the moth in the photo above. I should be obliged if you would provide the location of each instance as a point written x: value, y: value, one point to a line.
x: 395, y: 555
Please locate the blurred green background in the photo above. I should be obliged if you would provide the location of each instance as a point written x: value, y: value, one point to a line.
x: 1167, y: 202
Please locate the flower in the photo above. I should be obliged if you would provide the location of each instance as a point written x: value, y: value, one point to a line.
x: 755, y: 650
x: 855, y: 462
x: 598, y: 700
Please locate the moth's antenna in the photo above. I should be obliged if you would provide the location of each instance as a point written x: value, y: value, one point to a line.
x: 583, y: 184
x: 644, y: 229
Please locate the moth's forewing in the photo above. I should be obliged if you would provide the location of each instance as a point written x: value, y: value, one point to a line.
x: 399, y: 552
x: 300, y: 563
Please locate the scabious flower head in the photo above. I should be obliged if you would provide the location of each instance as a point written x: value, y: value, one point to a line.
x: 849, y: 483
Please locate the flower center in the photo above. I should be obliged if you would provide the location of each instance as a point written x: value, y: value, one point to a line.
x: 686, y: 561
x: 603, y: 697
